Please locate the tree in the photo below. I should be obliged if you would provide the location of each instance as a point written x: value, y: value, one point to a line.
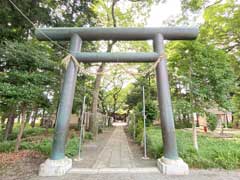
x: 15, y: 27
x: 221, y: 29
x: 28, y: 75
x: 111, y: 95
x: 202, y: 77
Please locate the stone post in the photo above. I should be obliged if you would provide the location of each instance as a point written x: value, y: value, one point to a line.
x: 170, y: 163
x: 59, y: 164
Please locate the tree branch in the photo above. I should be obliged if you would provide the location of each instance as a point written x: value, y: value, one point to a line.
x: 217, y: 2
x: 113, y: 13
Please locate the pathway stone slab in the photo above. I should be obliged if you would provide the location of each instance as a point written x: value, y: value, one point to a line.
x: 116, y: 153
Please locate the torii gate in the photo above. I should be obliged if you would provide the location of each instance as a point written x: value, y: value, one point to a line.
x: 58, y: 164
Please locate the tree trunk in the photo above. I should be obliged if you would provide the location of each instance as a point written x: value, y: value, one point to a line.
x: 9, y: 126
x: 222, y: 127
x: 194, y: 132
x: 93, y: 119
x: 42, y: 118
x: 20, y: 133
x: 3, y: 118
x: 34, y: 117
x: 28, y: 117
x: 114, y: 108
x: 194, y: 128
x: 19, y: 118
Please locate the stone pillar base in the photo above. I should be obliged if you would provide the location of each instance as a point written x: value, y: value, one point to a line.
x: 55, y: 167
x: 172, y: 167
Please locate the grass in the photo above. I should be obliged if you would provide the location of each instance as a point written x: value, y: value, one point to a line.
x: 213, y: 152
x: 36, y: 139
x: 28, y: 132
x: 42, y: 146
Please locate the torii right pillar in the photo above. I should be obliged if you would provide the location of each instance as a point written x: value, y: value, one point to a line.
x: 170, y: 163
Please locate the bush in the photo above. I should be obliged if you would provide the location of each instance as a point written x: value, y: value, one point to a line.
x: 181, y: 125
x: 7, y: 146
x: 72, y: 147
x: 230, y: 125
x: 151, y: 111
x: 139, y: 131
x: 213, y: 152
x: 212, y: 121
x: 100, y: 130
x: 43, y: 146
x: 28, y: 132
x: 88, y: 136
x: 154, y: 141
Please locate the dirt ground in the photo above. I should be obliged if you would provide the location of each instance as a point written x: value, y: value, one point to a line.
x: 20, y: 166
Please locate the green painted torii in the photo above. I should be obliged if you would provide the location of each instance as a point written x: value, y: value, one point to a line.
x: 170, y: 163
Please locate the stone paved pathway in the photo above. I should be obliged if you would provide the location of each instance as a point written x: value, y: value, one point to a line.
x: 116, y: 153
x: 114, y: 157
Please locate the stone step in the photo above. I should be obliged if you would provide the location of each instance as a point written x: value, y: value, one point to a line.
x: 112, y: 170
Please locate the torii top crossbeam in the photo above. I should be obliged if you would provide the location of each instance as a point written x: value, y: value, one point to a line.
x: 119, y: 34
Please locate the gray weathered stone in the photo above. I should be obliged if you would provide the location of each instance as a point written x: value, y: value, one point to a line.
x: 55, y: 167
x: 172, y: 167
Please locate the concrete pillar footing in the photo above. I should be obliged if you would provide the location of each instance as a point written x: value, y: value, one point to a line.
x: 172, y: 167
x: 55, y: 167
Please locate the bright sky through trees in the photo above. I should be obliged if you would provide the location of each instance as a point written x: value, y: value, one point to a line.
x: 163, y: 11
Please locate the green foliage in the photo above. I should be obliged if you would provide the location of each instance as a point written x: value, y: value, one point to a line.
x: 181, y: 125
x: 100, y: 130
x: 211, y: 121
x: 236, y: 114
x: 28, y: 132
x: 42, y: 146
x: 131, y: 128
x: 28, y: 75
x: 7, y: 146
x: 47, y: 13
x: 222, y: 25
x: 154, y: 142
x: 88, y: 136
x: 201, y: 77
x: 72, y: 147
x: 230, y: 125
x: 139, y: 132
x: 151, y: 110
x: 193, y: 5
x: 213, y: 153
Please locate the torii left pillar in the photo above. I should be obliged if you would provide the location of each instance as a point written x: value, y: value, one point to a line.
x: 58, y: 164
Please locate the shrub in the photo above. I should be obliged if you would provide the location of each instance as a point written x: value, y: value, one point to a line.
x: 181, y: 125
x: 151, y: 111
x: 100, y: 130
x: 213, y: 152
x: 7, y: 146
x: 230, y: 125
x: 43, y: 146
x: 212, y: 121
x: 154, y: 141
x: 139, y: 131
x: 28, y: 131
x: 72, y: 147
x: 88, y: 136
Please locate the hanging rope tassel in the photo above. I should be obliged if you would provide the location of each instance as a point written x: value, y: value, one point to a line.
x: 160, y: 58
x: 68, y: 59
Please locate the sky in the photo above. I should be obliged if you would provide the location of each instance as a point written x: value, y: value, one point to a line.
x: 162, y: 12
x: 172, y: 8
